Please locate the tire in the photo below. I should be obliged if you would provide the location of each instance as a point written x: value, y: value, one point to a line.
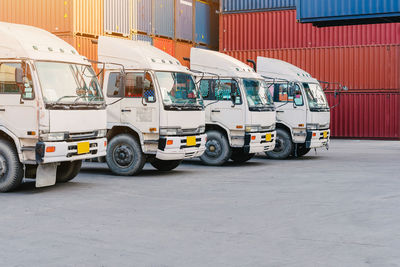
x: 302, y: 150
x: 239, y: 156
x: 217, y: 150
x: 165, y: 165
x: 284, y: 146
x: 11, y: 170
x: 68, y: 170
x: 125, y: 156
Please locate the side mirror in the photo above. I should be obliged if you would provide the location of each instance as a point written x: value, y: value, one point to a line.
x: 19, y: 76
x: 345, y: 88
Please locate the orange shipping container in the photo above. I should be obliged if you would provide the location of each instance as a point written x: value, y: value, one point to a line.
x: 182, y: 50
x: 165, y: 45
x: 84, y: 45
x: 57, y: 16
x: 357, y: 67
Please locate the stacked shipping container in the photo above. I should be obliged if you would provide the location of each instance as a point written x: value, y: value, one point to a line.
x: 366, y: 58
x: 167, y: 24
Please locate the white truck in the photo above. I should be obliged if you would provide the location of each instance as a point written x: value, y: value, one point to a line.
x: 303, y: 113
x: 52, y: 111
x: 240, y: 114
x: 158, y: 116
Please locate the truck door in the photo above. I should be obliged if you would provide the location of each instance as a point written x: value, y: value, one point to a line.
x: 18, y: 112
x: 226, y: 112
x: 139, y: 106
x: 290, y: 106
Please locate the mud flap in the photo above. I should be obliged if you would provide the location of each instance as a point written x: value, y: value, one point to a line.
x: 46, y: 174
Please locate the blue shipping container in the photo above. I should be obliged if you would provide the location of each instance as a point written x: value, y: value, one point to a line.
x: 163, y: 17
x: 248, y: 5
x: 334, y: 12
x: 141, y: 16
x: 202, y: 34
x: 142, y: 38
x: 184, y: 20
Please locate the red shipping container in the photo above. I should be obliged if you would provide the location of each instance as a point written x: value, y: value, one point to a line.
x: 165, y: 45
x: 359, y: 68
x: 366, y: 115
x: 280, y: 29
x: 182, y: 50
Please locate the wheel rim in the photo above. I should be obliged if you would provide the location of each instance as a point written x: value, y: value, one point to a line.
x: 279, y: 144
x: 123, y: 155
x: 213, y: 148
x: 3, y: 166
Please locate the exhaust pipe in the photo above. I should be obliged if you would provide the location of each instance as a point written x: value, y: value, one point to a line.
x: 254, y: 64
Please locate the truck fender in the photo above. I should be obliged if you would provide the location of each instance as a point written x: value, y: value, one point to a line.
x: 110, y: 126
x: 285, y: 126
x: 222, y: 127
x: 13, y: 137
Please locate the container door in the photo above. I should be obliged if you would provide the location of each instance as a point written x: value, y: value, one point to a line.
x: 139, y: 107
x: 17, y: 102
x: 227, y: 112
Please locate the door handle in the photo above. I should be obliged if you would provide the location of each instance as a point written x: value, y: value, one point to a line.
x: 2, y: 109
x: 125, y: 110
x: 280, y: 111
x: 216, y: 111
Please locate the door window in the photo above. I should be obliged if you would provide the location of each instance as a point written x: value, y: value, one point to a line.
x: 8, y: 84
x: 137, y: 85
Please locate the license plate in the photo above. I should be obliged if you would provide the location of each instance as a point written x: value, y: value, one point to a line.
x: 325, y: 134
x: 268, y: 137
x: 83, y: 148
x: 191, y: 140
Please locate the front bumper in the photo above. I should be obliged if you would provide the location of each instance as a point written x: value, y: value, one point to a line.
x: 258, y: 142
x: 179, y: 149
x: 317, y: 139
x: 67, y: 151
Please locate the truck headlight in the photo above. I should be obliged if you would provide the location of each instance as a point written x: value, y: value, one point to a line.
x: 312, y: 126
x: 169, y: 131
x: 202, y: 129
x: 253, y: 128
x: 101, y: 133
x: 53, y: 136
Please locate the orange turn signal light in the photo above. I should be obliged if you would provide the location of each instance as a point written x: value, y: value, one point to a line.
x: 253, y: 137
x: 170, y: 142
x: 105, y: 143
x: 153, y: 129
x: 314, y: 134
x: 301, y: 125
x: 239, y: 126
x: 50, y: 149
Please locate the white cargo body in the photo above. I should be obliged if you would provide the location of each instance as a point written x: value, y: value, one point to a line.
x: 240, y: 115
x: 159, y: 117
x: 52, y: 112
x: 303, y: 114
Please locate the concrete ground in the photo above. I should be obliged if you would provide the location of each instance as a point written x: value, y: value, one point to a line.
x: 338, y: 208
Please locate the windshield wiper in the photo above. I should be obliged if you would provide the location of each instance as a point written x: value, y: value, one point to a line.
x: 66, y: 96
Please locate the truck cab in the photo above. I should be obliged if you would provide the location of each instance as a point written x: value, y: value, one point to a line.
x: 303, y: 113
x: 158, y: 116
x: 52, y: 110
x: 240, y: 114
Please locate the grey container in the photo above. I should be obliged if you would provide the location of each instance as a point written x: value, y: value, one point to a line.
x: 142, y: 16
x: 116, y: 17
x: 142, y: 38
x: 184, y: 20
x: 248, y: 5
x: 163, y: 18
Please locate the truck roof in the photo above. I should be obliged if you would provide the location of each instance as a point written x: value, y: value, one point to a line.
x: 22, y: 41
x: 136, y: 55
x: 204, y: 60
x: 279, y: 69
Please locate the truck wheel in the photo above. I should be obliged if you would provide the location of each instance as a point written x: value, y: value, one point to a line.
x: 283, y: 147
x: 239, y: 156
x: 165, y: 165
x: 68, y: 170
x: 302, y: 150
x: 11, y: 170
x: 217, y: 150
x: 124, y: 155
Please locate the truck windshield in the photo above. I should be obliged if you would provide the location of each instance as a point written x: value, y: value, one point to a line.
x: 315, y: 96
x: 65, y: 83
x: 178, y: 90
x: 257, y: 94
